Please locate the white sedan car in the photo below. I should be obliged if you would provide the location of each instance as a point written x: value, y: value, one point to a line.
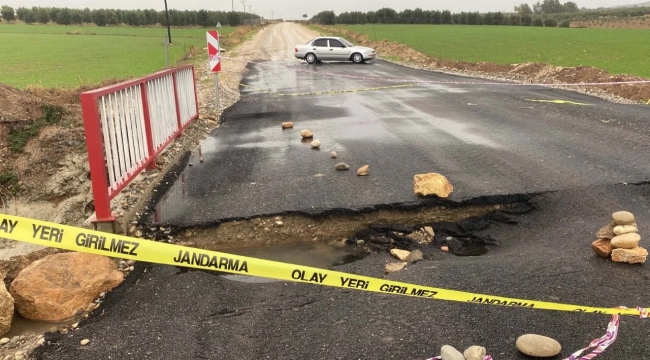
x: 333, y: 49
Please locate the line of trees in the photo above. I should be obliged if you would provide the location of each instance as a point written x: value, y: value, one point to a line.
x: 112, y: 17
x: 550, y: 13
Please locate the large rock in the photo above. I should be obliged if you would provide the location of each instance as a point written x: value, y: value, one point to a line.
x: 602, y: 248
x: 626, y: 241
x: 6, y: 308
x: 415, y: 256
x: 538, y: 345
x: 623, y: 218
x: 364, y: 170
x: 607, y: 232
x: 432, y: 184
x: 394, y: 267
x: 631, y: 256
x: 448, y: 352
x: 306, y: 134
x: 61, y: 286
x: 287, y: 125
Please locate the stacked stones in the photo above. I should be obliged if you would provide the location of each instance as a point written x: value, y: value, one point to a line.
x: 620, y: 240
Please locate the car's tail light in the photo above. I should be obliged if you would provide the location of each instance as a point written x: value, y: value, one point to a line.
x: 295, y: 50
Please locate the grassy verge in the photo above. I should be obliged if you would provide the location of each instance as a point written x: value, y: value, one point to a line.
x: 19, y: 136
x: 71, y: 56
x: 618, y: 51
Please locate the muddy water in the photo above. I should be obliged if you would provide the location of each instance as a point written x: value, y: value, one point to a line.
x: 318, y: 255
x: 21, y: 326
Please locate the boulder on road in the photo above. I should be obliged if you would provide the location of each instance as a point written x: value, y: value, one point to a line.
x: 6, y: 308
x: 432, y: 184
x: 61, y: 286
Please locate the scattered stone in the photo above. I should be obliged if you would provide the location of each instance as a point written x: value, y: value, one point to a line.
x: 342, y: 166
x: 623, y: 218
x: 638, y: 255
x: 400, y: 254
x: 15, y: 339
x: 40, y: 342
x: 420, y: 237
x: 475, y: 353
x: 306, y: 134
x: 626, y: 241
x: 625, y: 229
x: 448, y: 352
x: 287, y: 125
x: 84, y: 342
x: 602, y: 248
x: 364, y: 170
x: 201, y: 159
x: 607, y: 232
x: 133, y: 229
x: 394, y: 267
x: 190, y: 164
x: 138, y: 234
x: 333, y: 155
x: 8, y: 357
x: 538, y: 345
x: 415, y: 256
x: 449, y: 238
x: 445, y: 248
x: 160, y: 160
x: 60, y: 286
x: 429, y: 231
x: 315, y: 144
x: 128, y: 262
x: 361, y: 242
x: 6, y: 309
x: 279, y: 223
x: 4, y: 341
x: 432, y: 184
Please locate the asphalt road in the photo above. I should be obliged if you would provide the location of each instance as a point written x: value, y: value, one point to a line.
x: 487, y: 139
x: 163, y: 313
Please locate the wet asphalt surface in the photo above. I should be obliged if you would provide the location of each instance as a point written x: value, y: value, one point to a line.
x: 163, y: 313
x: 501, y: 144
x: 488, y: 140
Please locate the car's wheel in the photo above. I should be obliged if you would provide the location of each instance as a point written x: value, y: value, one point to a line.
x: 357, y: 58
x: 310, y: 58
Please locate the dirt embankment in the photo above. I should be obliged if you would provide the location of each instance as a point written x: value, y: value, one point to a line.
x: 527, y: 73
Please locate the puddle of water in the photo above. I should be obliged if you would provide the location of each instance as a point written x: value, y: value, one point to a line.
x: 21, y: 326
x: 317, y: 255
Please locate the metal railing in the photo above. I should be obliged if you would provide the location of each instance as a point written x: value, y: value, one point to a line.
x: 129, y: 124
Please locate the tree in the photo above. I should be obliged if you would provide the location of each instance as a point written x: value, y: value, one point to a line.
x: 99, y: 17
x: 304, y: 16
x: 326, y: 17
x: 526, y: 20
x: 552, y: 7
x: 111, y: 17
x: 64, y: 17
x: 446, y: 17
x: 524, y: 9
x: 571, y: 7
x: 21, y: 13
x: 233, y: 18
x: 43, y: 16
x: 538, y: 22
x: 77, y: 17
x: 550, y: 23
x: 8, y: 13
x: 537, y: 8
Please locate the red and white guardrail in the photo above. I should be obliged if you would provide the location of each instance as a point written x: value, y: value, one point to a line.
x: 128, y: 124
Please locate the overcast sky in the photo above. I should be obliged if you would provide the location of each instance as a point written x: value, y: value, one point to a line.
x: 293, y: 9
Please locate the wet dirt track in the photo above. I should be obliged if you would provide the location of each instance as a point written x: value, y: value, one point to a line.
x: 488, y: 140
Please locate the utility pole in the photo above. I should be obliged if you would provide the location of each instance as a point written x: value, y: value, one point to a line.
x: 233, y: 5
x: 272, y: 15
x: 169, y: 31
x: 243, y: 2
x: 249, y: 9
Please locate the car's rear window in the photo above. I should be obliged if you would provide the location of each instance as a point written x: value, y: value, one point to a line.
x: 320, y: 42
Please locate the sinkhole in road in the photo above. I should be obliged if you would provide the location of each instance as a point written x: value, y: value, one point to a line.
x: 341, y: 238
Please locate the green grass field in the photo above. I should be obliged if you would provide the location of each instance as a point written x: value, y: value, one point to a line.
x: 69, y: 56
x: 619, y: 51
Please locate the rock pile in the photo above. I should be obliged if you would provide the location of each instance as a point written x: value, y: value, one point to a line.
x: 620, y: 240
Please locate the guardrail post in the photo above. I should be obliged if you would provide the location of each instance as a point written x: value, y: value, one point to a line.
x: 151, y: 165
x: 196, y: 97
x: 95, y: 148
x: 178, y: 106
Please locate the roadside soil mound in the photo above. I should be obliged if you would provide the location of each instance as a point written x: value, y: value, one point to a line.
x: 528, y: 72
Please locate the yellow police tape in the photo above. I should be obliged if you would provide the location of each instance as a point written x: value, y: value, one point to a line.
x: 331, y: 92
x: 123, y: 247
x: 560, y: 102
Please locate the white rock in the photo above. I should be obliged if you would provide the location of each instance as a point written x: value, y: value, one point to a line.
x: 450, y: 353
x: 4, y: 341
x: 538, y: 345
x: 475, y: 353
x: 84, y: 342
x: 333, y: 154
x: 315, y: 144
